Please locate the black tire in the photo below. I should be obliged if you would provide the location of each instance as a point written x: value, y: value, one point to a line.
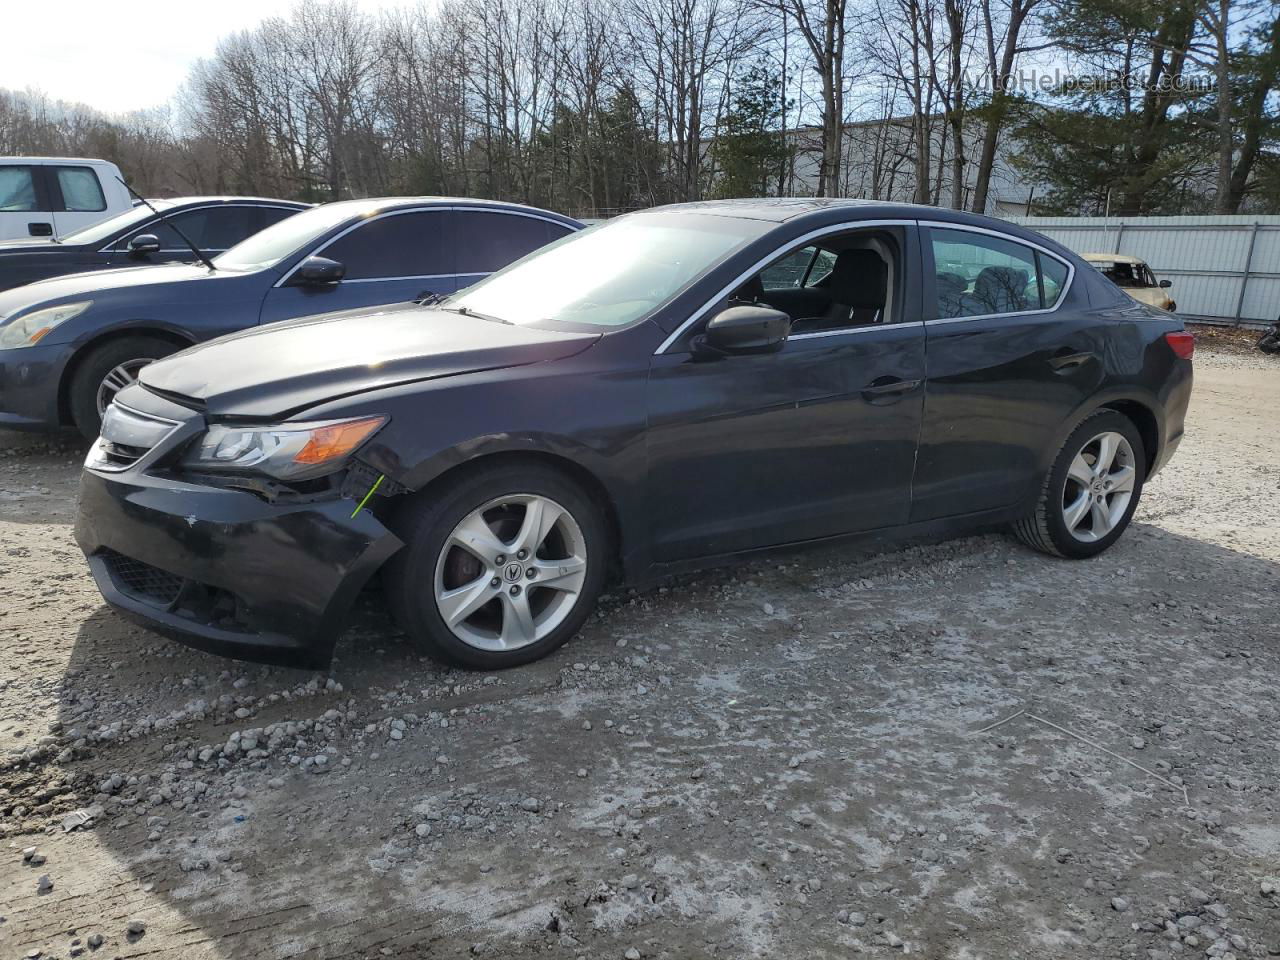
x: 426, y: 522
x: 1045, y: 528
x: 82, y: 393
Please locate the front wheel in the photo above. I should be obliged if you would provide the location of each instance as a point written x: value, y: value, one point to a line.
x: 105, y: 371
x: 1091, y: 491
x: 499, y: 568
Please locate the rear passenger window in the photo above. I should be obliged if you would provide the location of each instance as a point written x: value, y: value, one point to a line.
x: 81, y: 191
x: 400, y: 245
x: 17, y: 189
x: 489, y: 241
x: 268, y: 216
x: 1053, y: 278
x: 977, y: 275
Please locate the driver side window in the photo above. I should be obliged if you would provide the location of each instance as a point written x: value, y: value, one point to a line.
x: 843, y: 281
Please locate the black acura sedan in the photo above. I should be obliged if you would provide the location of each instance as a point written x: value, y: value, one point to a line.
x: 142, y: 236
x: 659, y: 392
x: 69, y: 344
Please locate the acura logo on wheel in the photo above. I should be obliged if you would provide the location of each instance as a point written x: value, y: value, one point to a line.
x: 513, y: 572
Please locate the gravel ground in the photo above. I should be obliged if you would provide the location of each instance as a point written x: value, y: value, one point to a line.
x: 794, y: 758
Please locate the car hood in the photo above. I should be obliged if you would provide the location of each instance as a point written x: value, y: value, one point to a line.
x: 276, y: 371
x: 89, y: 285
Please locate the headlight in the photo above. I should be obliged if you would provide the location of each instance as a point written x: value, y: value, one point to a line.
x: 30, y: 329
x: 293, y: 451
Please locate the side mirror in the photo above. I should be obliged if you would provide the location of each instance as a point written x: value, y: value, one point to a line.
x: 746, y: 329
x: 1166, y: 284
x: 319, y: 271
x: 144, y: 244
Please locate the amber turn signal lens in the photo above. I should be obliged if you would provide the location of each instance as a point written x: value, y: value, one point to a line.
x: 337, y: 440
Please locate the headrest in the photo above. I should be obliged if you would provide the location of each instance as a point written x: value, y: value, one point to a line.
x: 1009, y: 281
x: 859, y: 279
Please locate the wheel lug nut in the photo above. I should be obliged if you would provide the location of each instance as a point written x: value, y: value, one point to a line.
x: 521, y: 554
x: 495, y: 582
x: 515, y: 591
x: 500, y: 558
x: 531, y: 572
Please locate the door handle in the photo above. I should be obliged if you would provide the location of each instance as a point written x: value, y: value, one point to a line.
x: 887, y: 389
x: 40, y: 229
x: 1065, y: 360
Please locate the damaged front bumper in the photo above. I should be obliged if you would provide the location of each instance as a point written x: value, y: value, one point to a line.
x: 225, y: 570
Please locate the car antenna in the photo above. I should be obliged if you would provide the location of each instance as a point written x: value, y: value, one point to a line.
x: 169, y: 223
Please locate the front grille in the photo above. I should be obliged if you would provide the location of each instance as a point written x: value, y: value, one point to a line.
x: 141, y: 580
x: 119, y: 454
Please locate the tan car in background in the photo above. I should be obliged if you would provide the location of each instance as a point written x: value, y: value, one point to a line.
x: 1134, y: 277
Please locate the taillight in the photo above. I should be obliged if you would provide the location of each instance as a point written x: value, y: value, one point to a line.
x: 1182, y: 343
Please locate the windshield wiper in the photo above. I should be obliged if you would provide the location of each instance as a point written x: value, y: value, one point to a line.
x: 468, y: 312
x: 173, y: 226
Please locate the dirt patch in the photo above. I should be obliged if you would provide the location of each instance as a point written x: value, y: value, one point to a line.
x: 1231, y: 340
x: 781, y: 760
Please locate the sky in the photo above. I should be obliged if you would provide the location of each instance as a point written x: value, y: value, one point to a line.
x: 120, y: 57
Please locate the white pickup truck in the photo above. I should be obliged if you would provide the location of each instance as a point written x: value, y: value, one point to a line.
x: 53, y: 196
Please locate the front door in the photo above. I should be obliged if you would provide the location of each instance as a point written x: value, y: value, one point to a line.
x: 814, y: 440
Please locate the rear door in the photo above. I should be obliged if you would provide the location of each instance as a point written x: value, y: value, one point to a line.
x: 1012, y: 352
x: 392, y: 258
x: 25, y: 208
x: 78, y: 195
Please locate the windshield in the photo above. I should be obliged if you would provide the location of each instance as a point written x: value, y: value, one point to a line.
x: 612, y: 274
x: 268, y: 247
x: 109, y: 227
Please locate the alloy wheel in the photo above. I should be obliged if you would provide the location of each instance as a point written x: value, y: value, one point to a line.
x: 510, y: 572
x: 117, y: 378
x: 1099, y: 487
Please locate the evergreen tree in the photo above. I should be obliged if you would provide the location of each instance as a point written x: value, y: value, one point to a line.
x: 750, y: 150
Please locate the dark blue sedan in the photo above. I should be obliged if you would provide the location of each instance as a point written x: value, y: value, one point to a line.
x: 69, y: 344
x: 143, y: 236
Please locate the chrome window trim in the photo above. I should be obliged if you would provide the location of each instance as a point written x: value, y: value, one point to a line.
x: 850, y: 331
x: 424, y: 276
x: 1000, y: 235
x: 421, y: 209
x: 207, y: 206
x: 760, y: 264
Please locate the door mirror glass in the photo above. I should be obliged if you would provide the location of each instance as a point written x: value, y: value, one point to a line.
x: 144, y: 244
x: 319, y: 271
x: 746, y: 329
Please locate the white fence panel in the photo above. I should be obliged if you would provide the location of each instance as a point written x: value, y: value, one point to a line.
x: 1222, y: 268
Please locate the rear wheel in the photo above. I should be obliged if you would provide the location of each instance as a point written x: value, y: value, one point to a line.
x: 1091, y: 491
x: 499, y: 568
x: 107, y: 370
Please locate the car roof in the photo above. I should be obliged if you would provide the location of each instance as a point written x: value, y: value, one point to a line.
x: 79, y: 160
x: 785, y: 209
x: 184, y: 201
x: 822, y: 211
x: 1111, y: 258
x: 380, y: 204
